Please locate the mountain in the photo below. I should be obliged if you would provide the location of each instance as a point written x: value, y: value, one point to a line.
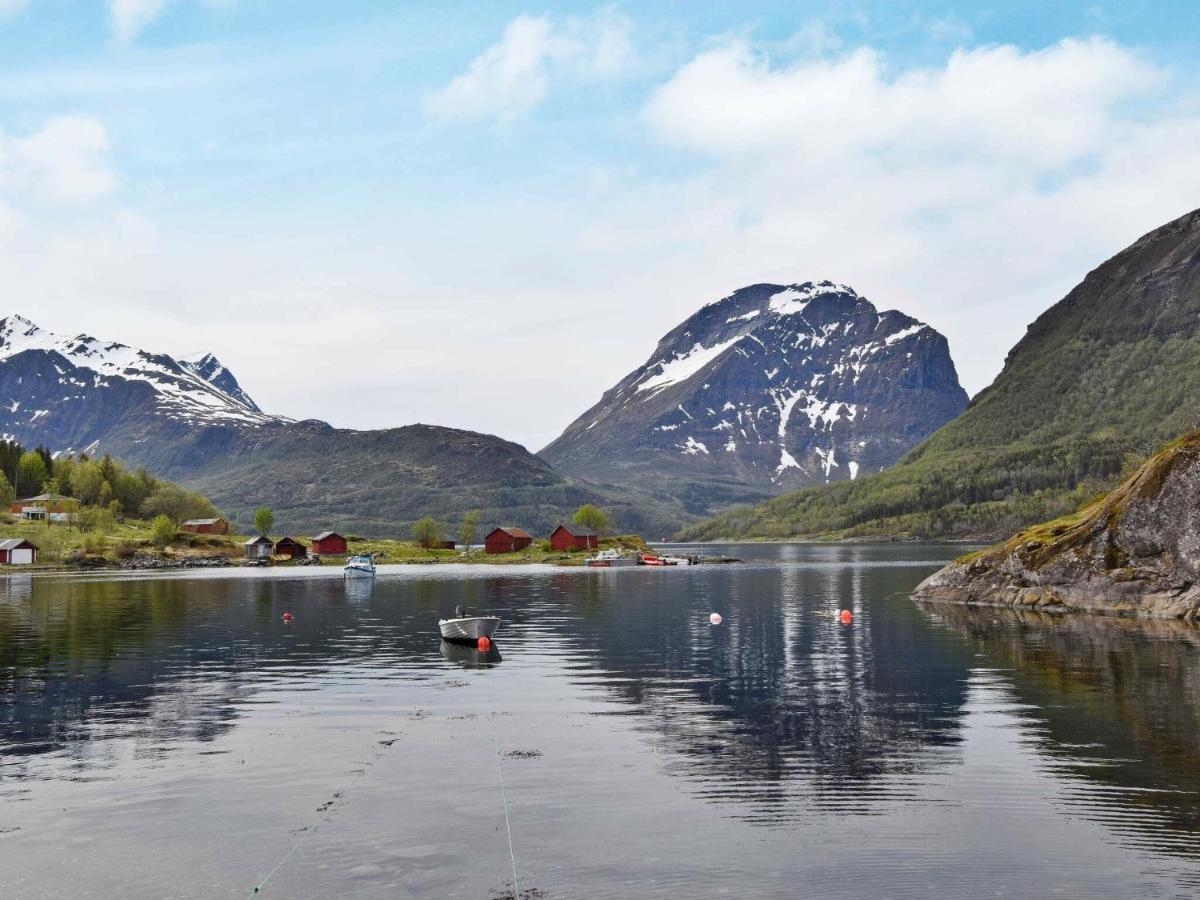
x: 1098, y: 381
x: 1135, y: 552
x: 772, y: 387
x: 190, y: 420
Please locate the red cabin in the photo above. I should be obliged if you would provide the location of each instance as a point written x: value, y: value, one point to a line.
x: 205, y: 526
x: 573, y: 537
x: 291, y: 548
x: 329, y: 543
x: 506, y: 540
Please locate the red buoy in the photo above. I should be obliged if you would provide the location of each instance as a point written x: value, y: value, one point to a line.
x: 484, y: 643
x: 287, y: 617
x: 846, y: 616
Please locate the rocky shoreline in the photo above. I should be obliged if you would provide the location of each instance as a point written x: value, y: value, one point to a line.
x: 1136, y: 552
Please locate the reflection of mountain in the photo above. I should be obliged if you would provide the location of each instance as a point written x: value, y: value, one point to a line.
x: 780, y: 705
x: 1120, y: 702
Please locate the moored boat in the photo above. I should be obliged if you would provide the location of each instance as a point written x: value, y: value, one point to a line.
x: 359, y: 567
x: 467, y: 628
x: 609, y: 559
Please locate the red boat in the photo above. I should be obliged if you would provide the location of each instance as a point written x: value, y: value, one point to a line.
x: 648, y: 560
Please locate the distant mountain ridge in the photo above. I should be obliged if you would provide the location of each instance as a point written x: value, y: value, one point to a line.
x: 1099, y: 381
x: 771, y: 387
x: 190, y: 420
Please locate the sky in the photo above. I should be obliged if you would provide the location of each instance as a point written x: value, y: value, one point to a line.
x: 485, y: 214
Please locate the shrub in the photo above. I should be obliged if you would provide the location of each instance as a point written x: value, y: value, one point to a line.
x: 162, y: 531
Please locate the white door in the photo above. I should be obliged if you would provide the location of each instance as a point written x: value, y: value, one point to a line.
x: 22, y: 557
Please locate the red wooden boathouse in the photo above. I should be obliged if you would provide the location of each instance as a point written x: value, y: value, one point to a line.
x: 573, y: 537
x: 506, y: 540
x: 329, y: 543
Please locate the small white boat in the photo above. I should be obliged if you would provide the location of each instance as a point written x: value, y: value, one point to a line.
x: 359, y: 567
x: 463, y: 627
x: 609, y: 559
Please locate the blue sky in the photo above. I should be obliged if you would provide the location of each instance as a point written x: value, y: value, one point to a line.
x: 393, y: 204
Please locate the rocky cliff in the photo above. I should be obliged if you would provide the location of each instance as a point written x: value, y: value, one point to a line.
x: 770, y: 388
x: 1135, y: 552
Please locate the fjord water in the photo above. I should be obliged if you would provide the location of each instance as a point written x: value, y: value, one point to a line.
x: 172, y: 737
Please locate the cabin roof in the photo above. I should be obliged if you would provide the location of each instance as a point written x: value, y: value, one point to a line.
x: 511, y: 531
x: 261, y: 539
x: 288, y: 540
x: 203, y: 521
x: 44, y: 497
x: 576, y: 530
x: 16, y: 544
x: 327, y: 534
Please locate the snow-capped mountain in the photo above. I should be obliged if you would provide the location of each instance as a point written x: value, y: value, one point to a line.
x: 189, y: 420
x: 55, y: 384
x: 768, y: 389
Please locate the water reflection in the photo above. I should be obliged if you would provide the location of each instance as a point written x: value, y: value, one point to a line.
x: 1116, y: 703
x: 781, y: 717
x: 470, y: 657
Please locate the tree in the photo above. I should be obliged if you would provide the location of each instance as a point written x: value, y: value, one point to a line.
x: 264, y: 519
x: 175, y: 503
x: 427, y: 532
x: 31, y: 473
x: 86, y: 482
x: 469, y: 529
x: 162, y: 531
x: 592, y: 517
x: 7, y: 495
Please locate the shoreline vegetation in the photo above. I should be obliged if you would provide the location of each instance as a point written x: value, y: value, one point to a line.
x: 132, y: 546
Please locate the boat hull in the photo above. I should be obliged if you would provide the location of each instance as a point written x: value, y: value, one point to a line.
x: 354, y: 572
x: 469, y: 629
x: 610, y: 563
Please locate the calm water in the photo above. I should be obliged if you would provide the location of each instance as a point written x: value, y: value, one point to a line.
x: 171, y: 737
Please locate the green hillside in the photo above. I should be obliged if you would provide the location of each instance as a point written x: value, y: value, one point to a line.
x: 1100, y: 380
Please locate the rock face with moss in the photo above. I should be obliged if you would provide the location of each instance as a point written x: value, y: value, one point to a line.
x: 1134, y: 552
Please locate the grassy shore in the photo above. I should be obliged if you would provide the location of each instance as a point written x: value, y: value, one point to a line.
x: 62, y: 546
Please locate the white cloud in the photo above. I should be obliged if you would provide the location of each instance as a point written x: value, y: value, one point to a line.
x: 972, y: 194
x: 996, y: 103
x: 64, y: 160
x: 129, y: 17
x: 512, y: 77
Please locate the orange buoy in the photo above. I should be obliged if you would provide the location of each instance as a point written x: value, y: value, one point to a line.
x: 846, y: 616
x: 484, y: 643
x: 287, y: 617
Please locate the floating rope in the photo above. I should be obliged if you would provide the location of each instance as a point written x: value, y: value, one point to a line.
x: 512, y: 855
x: 329, y: 812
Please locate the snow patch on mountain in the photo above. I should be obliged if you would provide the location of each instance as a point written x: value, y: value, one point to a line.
x: 200, y: 390
x: 684, y: 366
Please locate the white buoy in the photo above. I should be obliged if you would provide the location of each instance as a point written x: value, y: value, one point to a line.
x: 715, y: 618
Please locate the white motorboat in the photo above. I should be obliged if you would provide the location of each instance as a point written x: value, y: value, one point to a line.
x: 463, y: 627
x: 359, y: 567
x: 609, y: 559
